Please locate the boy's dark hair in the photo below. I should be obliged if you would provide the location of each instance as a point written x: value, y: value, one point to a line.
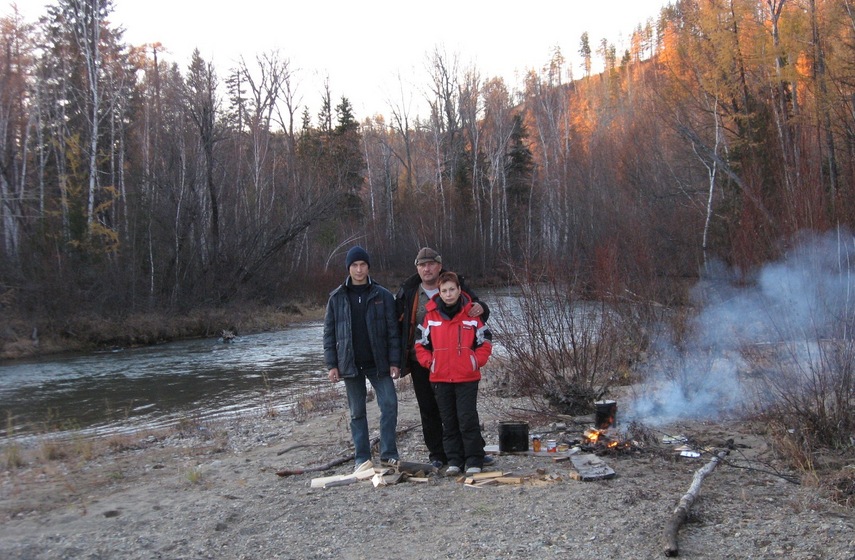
x: 449, y: 276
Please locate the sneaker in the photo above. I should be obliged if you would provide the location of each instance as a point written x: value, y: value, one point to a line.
x: 437, y: 464
x: 365, y: 465
x: 488, y: 460
x: 452, y: 470
x: 473, y: 470
x: 390, y: 463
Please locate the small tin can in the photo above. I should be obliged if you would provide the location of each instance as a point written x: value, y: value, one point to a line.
x: 551, y: 446
x: 535, y: 443
x: 563, y: 448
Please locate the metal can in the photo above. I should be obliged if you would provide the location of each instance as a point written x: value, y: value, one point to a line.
x: 551, y: 446
x: 535, y: 443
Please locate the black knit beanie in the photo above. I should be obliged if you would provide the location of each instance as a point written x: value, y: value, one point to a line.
x: 356, y: 254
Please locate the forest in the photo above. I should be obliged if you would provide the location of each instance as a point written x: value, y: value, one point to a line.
x: 133, y: 184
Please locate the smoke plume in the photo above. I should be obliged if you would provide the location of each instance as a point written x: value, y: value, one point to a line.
x: 807, y: 296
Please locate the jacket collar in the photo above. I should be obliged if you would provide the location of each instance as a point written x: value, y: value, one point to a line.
x: 432, y: 305
x: 349, y: 281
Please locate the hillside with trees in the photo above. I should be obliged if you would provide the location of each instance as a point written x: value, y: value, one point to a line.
x: 133, y: 184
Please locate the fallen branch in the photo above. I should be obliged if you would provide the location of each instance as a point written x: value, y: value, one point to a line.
x: 334, y: 462
x: 681, y: 512
x: 316, y: 468
x: 292, y: 447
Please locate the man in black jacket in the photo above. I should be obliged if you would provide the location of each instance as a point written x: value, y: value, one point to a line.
x: 410, y: 303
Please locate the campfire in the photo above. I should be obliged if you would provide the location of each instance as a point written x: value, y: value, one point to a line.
x: 605, y: 437
x: 603, y: 440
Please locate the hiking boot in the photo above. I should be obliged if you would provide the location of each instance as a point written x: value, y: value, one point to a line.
x: 488, y: 460
x: 452, y: 470
x: 390, y: 463
x: 437, y: 464
x: 473, y: 470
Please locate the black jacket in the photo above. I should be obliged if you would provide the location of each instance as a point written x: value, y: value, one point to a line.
x: 382, y: 324
x: 406, y: 301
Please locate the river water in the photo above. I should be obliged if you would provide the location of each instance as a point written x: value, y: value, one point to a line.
x: 136, y: 388
x: 130, y: 389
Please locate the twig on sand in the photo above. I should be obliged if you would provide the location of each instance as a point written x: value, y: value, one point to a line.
x: 291, y: 448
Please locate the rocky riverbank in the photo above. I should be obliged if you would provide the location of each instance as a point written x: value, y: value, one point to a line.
x: 210, y: 491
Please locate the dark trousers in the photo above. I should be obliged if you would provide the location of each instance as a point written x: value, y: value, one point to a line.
x: 461, y: 439
x: 429, y: 412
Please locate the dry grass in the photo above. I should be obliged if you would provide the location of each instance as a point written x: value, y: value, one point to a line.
x: 317, y: 399
x: 13, y: 457
x: 193, y: 475
x: 841, y: 486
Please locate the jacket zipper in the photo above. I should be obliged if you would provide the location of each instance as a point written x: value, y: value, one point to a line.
x: 459, y: 339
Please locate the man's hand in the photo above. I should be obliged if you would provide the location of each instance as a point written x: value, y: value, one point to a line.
x: 395, y: 372
x: 333, y: 375
x: 476, y: 310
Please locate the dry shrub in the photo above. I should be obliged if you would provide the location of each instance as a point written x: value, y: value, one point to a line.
x: 841, y: 486
x: 563, y: 352
x: 792, y: 445
x: 83, y: 448
x: 13, y: 458
x: 812, y: 420
x: 188, y: 426
x: 810, y: 388
x: 121, y: 442
x: 314, y: 400
x: 53, y: 450
x: 20, y: 348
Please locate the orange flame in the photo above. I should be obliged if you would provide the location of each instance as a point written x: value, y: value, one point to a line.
x: 593, y: 435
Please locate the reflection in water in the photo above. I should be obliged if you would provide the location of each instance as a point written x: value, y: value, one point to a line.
x: 155, y: 386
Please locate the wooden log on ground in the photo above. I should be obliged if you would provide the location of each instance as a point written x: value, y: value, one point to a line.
x: 343, y: 479
x: 509, y: 480
x: 681, y: 512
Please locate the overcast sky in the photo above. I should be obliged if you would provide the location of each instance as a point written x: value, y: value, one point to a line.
x: 363, y: 47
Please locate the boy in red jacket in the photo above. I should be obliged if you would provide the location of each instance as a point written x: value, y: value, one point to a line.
x: 454, y: 346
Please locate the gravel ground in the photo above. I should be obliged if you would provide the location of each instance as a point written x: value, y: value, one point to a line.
x: 213, y: 492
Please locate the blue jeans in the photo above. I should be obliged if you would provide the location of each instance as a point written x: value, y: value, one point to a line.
x: 387, y: 400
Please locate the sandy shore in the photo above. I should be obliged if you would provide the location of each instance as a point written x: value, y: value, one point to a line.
x: 212, y: 492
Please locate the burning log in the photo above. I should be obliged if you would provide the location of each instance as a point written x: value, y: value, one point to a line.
x: 602, y: 441
x: 681, y: 512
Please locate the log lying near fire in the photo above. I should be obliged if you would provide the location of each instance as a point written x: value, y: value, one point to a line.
x: 681, y: 512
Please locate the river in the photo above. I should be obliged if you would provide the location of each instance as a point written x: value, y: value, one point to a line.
x: 135, y: 388
x: 131, y: 389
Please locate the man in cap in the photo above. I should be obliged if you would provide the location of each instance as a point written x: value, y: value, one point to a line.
x: 411, y: 299
x: 361, y: 341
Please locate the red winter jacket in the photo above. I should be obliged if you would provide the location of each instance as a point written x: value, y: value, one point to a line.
x: 453, y: 349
